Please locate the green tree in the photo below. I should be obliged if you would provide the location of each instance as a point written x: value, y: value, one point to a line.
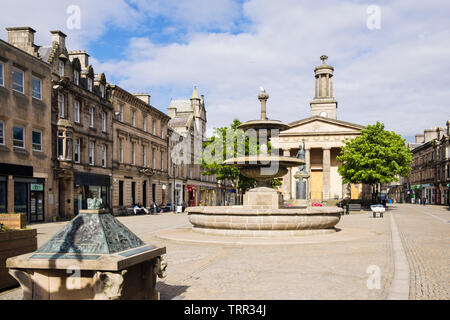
x: 376, y: 156
x: 226, y: 143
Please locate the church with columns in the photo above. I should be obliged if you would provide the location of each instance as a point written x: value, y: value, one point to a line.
x: 319, y: 138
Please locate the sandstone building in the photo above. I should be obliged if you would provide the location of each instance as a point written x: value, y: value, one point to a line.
x: 430, y: 169
x: 26, y: 177
x: 141, y: 152
x: 188, y: 122
x: 323, y: 136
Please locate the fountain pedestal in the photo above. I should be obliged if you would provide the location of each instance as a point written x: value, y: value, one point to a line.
x: 93, y: 256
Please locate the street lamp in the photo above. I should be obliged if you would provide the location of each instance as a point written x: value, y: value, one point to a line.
x: 174, y: 185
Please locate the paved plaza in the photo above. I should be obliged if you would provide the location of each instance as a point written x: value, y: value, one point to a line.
x: 406, y: 254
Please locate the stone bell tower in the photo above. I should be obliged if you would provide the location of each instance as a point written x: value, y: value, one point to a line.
x: 324, y: 104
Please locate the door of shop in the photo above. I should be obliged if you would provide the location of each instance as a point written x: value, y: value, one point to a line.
x: 36, y: 206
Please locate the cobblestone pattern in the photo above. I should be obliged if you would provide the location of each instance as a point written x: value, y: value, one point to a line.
x: 427, y: 252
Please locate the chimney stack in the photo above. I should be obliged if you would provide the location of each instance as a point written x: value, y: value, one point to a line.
x: 420, y: 138
x: 59, y: 37
x: 143, y: 96
x: 82, y: 56
x: 23, y: 38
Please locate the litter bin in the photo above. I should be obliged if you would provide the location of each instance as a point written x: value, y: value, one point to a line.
x: 390, y: 201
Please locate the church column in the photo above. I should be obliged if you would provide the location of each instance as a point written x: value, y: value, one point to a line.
x: 326, y: 173
x: 287, y: 183
x: 308, y: 171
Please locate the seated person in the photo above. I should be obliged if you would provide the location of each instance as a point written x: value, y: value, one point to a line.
x: 143, y: 209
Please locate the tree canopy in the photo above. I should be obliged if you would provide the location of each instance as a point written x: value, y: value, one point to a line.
x: 226, y: 143
x: 376, y: 156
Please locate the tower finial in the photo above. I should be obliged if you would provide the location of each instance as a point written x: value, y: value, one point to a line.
x: 263, y: 96
x: 323, y: 58
x: 195, y: 94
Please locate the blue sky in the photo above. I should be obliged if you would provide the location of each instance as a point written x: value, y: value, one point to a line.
x: 398, y: 74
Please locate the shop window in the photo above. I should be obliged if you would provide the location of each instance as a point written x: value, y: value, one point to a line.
x: 17, y: 80
x: 18, y: 137
x: 20, y: 197
x: 3, y: 194
x: 36, y: 140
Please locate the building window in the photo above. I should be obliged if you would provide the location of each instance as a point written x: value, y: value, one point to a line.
x: 89, y: 81
x: 76, y: 110
x: 1, y: 75
x: 17, y: 80
x: 69, y: 146
x: 144, y: 123
x: 162, y: 160
x: 77, y: 150
x: 133, y: 153
x: 154, y: 127
x: 120, y: 113
x: 133, y: 118
x: 121, y: 150
x: 153, y: 158
x: 102, y: 90
x: 2, y: 132
x: 36, y: 88
x: 91, y: 117
x: 76, y: 77
x: 36, y: 137
x: 61, y: 105
x: 61, y: 68
x: 144, y: 156
x: 60, y: 145
x: 104, y: 148
x: 91, y: 153
x: 18, y: 137
x: 103, y: 121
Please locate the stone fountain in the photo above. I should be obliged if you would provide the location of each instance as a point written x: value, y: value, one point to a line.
x: 263, y: 213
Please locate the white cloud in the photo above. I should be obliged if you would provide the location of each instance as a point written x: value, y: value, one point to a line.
x: 398, y: 74
x: 46, y: 15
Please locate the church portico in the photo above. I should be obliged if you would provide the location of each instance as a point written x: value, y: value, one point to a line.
x: 318, y: 140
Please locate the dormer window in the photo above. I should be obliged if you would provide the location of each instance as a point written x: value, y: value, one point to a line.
x: 76, y: 77
x: 102, y: 90
x: 89, y: 82
x: 61, y: 68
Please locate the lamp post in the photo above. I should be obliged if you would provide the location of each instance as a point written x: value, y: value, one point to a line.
x: 174, y: 186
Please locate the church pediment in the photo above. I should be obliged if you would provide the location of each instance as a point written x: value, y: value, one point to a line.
x: 320, y: 125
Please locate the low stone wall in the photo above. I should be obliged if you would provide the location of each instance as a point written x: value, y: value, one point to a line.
x: 263, y: 222
x: 14, y: 243
x: 13, y: 221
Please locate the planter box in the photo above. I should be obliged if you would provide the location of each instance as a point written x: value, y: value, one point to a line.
x: 14, y: 243
x: 13, y: 221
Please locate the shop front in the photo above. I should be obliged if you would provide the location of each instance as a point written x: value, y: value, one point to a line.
x: 207, y: 196
x: 178, y: 193
x: 192, y: 195
x: 25, y: 192
x: 91, y: 190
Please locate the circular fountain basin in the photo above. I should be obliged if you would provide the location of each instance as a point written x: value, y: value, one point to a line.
x: 254, y: 222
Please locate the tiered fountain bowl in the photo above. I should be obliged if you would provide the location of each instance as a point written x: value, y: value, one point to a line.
x: 263, y: 213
